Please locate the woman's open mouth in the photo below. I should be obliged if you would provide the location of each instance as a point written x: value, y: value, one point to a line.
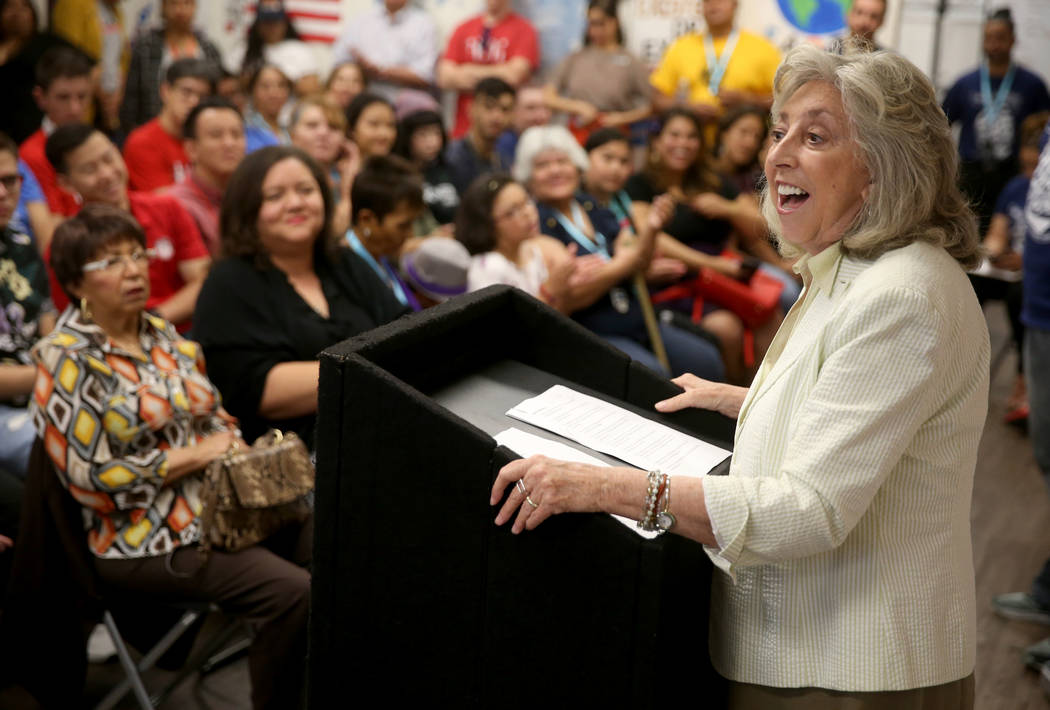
x: 790, y: 197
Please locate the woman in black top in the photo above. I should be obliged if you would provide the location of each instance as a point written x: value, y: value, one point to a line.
x: 283, y: 293
x: 708, y: 211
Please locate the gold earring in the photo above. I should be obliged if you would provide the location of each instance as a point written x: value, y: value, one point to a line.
x: 85, y: 311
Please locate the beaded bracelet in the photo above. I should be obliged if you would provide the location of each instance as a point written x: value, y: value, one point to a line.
x: 652, y: 494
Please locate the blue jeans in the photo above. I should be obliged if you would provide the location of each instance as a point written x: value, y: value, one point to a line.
x: 16, y: 439
x: 685, y: 351
x: 1036, y: 359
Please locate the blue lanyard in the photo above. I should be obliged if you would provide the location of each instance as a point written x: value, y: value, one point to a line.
x: 716, y: 67
x: 384, y: 271
x: 992, y: 107
x: 619, y: 204
x: 596, y: 246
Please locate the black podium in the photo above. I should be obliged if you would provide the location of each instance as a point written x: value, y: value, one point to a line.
x: 419, y: 598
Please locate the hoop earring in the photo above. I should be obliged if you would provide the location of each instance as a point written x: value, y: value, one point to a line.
x: 85, y: 310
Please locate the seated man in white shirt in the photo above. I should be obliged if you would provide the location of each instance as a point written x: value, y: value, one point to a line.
x: 395, y: 46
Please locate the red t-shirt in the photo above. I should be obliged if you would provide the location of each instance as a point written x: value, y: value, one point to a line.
x: 513, y: 37
x: 170, y: 231
x: 154, y: 157
x: 58, y: 200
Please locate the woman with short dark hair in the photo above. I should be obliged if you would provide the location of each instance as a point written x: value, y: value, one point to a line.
x: 129, y: 419
x: 285, y: 291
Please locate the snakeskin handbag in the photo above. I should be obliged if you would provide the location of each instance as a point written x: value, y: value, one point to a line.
x: 250, y: 494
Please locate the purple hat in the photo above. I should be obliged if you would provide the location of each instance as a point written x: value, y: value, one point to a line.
x: 438, y: 268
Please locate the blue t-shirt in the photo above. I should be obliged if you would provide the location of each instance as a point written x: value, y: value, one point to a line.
x: 963, y: 104
x: 1011, y: 205
x: 1036, y: 310
x: 31, y: 192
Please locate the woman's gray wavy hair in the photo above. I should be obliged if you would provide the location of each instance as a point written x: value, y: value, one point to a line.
x: 903, y: 138
x: 537, y: 139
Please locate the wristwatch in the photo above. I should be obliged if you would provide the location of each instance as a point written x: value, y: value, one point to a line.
x: 665, y: 520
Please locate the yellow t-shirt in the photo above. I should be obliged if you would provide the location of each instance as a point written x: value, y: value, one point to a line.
x: 751, y: 68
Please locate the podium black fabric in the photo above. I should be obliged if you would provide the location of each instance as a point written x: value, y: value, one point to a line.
x: 418, y: 597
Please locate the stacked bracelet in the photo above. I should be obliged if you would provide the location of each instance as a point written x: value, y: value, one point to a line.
x: 652, y: 497
x: 665, y: 520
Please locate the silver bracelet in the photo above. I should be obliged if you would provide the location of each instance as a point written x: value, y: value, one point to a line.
x: 648, y: 520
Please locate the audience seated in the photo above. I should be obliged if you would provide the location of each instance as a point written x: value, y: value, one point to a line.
x: 421, y: 140
x: 22, y: 44
x: 154, y: 152
x: 268, y: 91
x: 89, y: 164
x: 741, y: 133
x: 496, y: 44
x: 26, y: 313
x: 395, y: 45
x: 135, y: 466
x: 318, y: 127
x: 550, y: 162
x: 609, y: 167
x: 63, y: 91
x: 345, y: 81
x: 33, y: 215
x: 284, y: 293
x: 387, y: 198
x: 96, y: 27
x: 707, y: 211
x: 475, y: 153
x: 371, y: 124
x: 151, y: 53
x: 621, y: 97
x: 530, y: 109
x: 213, y: 136
x: 273, y: 39
x: 699, y: 64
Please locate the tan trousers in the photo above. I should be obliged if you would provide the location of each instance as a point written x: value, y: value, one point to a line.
x: 957, y: 695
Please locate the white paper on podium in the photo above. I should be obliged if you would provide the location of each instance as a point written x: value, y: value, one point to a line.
x: 526, y: 445
x: 605, y: 427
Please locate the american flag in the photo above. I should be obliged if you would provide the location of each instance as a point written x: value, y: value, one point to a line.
x: 315, y: 20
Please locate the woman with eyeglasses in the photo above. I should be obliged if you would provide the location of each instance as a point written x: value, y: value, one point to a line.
x: 129, y: 420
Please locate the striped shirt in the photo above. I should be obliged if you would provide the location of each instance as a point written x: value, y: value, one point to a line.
x: 844, y: 525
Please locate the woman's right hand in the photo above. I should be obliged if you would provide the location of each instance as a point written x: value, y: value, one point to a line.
x: 704, y: 394
x: 216, y: 445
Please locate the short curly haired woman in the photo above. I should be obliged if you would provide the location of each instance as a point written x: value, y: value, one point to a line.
x: 842, y: 532
x: 129, y: 419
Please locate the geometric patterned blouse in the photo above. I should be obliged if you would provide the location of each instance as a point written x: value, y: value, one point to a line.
x: 107, y: 418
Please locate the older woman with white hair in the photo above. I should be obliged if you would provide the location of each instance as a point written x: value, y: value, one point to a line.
x: 551, y: 163
x: 842, y: 532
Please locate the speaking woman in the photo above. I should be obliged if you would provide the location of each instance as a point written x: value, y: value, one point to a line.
x: 842, y: 531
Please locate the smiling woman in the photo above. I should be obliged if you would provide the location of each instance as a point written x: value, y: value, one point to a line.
x: 843, y: 527
x: 285, y: 292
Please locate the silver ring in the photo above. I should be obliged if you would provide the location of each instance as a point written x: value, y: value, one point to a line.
x: 520, y: 485
x: 531, y: 502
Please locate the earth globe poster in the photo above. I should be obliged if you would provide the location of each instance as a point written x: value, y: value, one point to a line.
x: 816, y: 17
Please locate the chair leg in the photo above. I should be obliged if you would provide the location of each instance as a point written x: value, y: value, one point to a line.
x: 132, y: 673
x: 214, y: 653
x: 133, y: 679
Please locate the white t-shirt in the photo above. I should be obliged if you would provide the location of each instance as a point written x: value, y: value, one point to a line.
x: 494, y: 268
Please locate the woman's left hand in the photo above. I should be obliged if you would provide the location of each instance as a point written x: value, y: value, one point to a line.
x: 543, y: 487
